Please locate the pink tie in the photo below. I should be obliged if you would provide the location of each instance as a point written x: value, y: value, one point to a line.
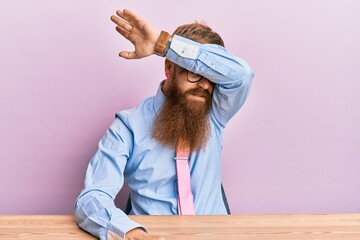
x: 185, y: 199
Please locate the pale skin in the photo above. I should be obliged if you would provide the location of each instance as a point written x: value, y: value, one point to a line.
x: 143, y: 36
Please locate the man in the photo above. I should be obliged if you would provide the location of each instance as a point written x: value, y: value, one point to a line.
x: 205, y: 86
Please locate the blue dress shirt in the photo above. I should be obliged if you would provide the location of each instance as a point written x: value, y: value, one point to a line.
x: 128, y: 153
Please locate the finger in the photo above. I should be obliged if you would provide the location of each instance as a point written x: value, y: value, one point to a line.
x: 125, y: 16
x: 128, y: 55
x: 123, y: 32
x: 121, y: 23
x: 128, y: 16
x: 132, y: 15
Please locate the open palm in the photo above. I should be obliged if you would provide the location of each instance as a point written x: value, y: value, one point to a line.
x: 138, y: 31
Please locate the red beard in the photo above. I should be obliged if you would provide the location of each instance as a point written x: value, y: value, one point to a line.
x: 184, y: 119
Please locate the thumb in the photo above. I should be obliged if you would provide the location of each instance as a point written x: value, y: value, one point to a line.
x: 128, y: 55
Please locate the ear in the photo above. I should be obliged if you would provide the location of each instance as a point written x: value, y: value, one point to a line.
x: 169, y: 66
x: 169, y: 69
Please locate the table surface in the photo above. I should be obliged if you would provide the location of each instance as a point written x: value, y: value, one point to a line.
x: 230, y: 227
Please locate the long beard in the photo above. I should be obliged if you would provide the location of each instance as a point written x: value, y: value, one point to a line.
x: 183, y: 119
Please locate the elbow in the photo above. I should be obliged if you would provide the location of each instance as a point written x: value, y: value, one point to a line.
x: 245, y: 75
x: 84, y: 199
x: 245, y: 71
x: 248, y: 75
x: 241, y: 76
x: 239, y: 70
x: 78, y: 212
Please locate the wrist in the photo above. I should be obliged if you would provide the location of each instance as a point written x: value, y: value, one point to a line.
x: 162, y: 44
x: 135, y: 234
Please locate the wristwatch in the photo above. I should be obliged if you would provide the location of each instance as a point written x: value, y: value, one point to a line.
x: 162, y: 44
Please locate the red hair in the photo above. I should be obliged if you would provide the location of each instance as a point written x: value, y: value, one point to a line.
x: 200, y: 33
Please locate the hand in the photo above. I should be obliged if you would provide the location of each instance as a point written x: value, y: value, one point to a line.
x: 139, y: 234
x: 138, y: 31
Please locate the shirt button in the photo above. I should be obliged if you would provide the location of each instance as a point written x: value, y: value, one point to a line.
x: 179, y: 59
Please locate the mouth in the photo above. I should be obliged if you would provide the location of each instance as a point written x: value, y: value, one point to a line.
x: 197, y: 97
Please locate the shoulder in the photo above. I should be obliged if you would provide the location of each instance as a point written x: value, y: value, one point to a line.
x: 145, y: 108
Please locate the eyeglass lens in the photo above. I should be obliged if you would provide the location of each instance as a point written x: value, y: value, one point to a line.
x: 192, y: 77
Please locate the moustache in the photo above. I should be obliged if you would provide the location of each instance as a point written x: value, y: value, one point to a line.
x: 199, y: 92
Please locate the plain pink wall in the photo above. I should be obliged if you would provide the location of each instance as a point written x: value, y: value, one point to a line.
x: 293, y: 148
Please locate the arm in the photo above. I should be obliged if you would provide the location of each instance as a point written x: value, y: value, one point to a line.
x: 95, y: 210
x: 231, y: 74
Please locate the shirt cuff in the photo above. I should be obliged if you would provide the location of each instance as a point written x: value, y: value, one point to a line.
x: 184, y: 47
x: 120, y: 226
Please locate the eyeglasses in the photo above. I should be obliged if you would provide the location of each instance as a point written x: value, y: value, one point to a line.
x: 193, y: 77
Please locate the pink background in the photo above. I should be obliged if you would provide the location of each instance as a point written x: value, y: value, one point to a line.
x: 293, y: 148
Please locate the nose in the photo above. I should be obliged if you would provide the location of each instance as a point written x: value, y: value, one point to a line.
x: 205, y: 84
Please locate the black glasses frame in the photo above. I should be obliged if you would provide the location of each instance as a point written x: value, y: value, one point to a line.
x: 194, y: 78
x: 190, y: 76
